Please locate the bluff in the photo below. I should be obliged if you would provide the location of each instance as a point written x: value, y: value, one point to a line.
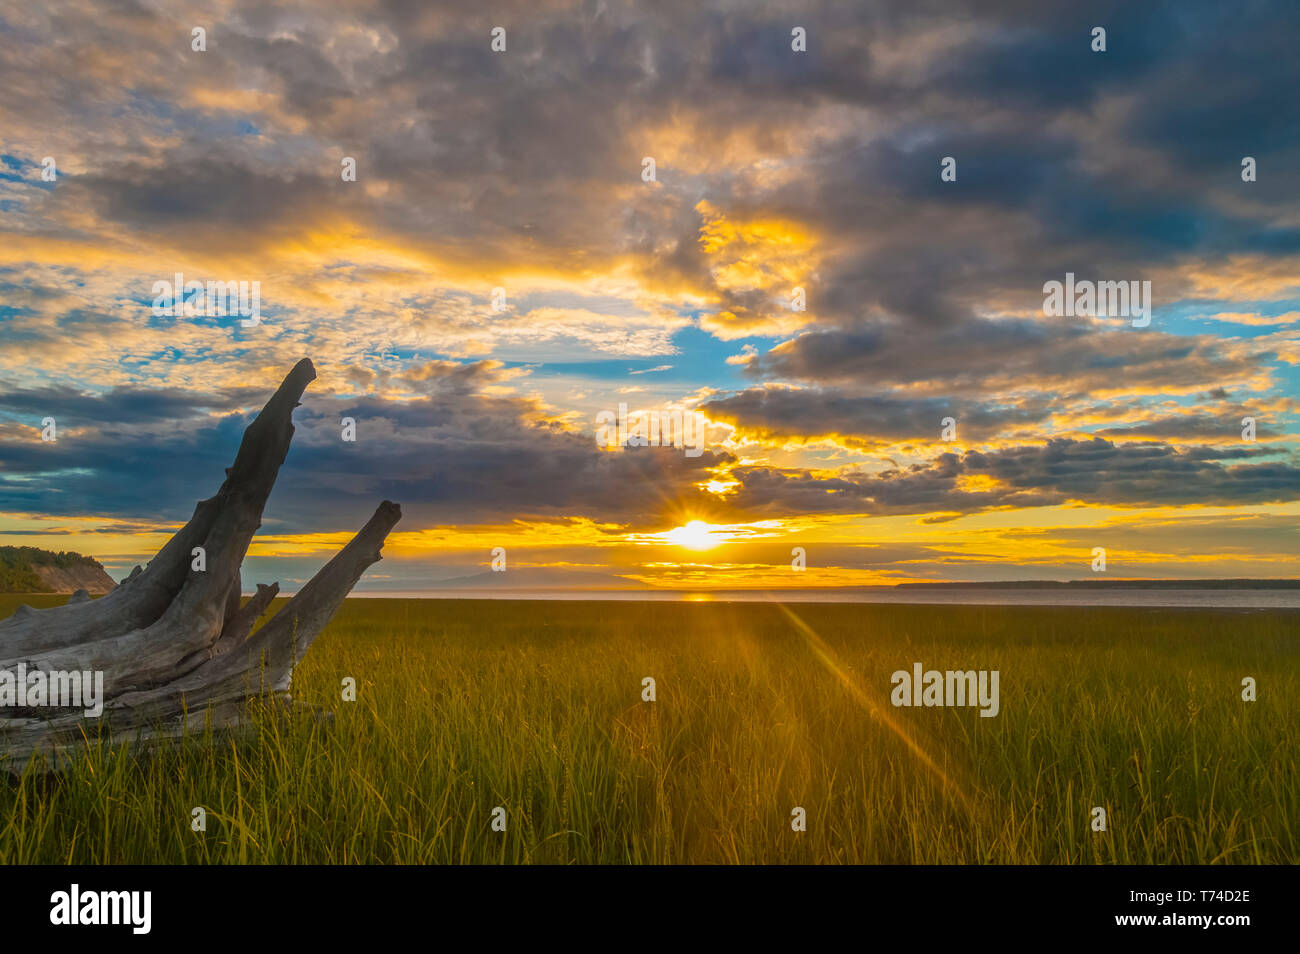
x: 33, y: 570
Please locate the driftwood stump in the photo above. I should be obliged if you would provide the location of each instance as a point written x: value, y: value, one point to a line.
x: 173, y: 643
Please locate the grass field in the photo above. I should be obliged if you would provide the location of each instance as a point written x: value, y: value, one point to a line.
x: 463, y: 706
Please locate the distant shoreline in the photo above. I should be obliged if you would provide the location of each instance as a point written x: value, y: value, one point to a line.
x: 1192, y: 594
x: 1224, y: 584
x: 1237, y: 597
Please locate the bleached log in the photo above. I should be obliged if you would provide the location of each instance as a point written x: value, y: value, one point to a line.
x: 173, y: 643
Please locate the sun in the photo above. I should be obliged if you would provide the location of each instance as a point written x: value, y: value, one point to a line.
x: 696, y: 535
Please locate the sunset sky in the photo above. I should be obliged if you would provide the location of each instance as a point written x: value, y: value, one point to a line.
x: 775, y: 169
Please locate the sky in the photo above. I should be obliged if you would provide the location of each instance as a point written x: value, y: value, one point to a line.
x: 799, y: 270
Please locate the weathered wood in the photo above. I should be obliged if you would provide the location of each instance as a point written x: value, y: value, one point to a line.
x: 173, y: 643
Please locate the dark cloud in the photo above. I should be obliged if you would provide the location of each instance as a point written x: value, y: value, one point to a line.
x: 816, y: 412
x: 548, y: 139
x: 1066, y: 357
x: 1089, y: 471
x: 457, y: 455
x: 1186, y: 427
x: 117, y: 406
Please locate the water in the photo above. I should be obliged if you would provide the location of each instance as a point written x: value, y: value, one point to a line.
x: 1207, y: 598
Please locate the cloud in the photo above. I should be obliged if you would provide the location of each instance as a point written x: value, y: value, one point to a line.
x: 1061, y: 471
x: 811, y: 413
x: 1067, y: 357
x: 453, y: 452
x: 775, y: 170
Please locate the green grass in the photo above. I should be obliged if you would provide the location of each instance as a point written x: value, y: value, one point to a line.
x: 466, y: 705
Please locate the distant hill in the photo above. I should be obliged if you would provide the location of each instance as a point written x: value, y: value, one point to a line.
x: 538, y: 578
x: 559, y: 578
x: 33, y: 570
x: 1110, y: 585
